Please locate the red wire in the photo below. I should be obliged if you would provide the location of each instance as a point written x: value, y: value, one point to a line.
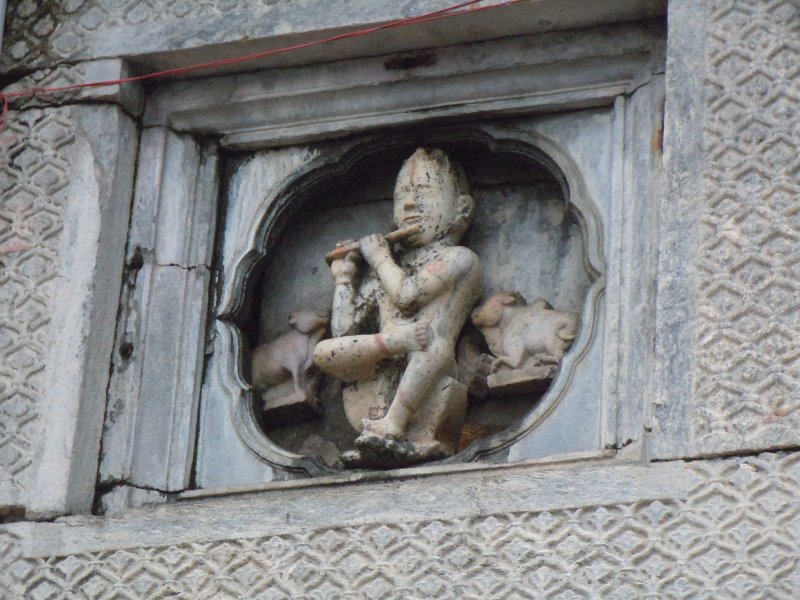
x: 447, y: 12
x: 4, y: 114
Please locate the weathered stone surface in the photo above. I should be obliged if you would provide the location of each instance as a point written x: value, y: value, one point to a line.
x: 223, y: 459
x: 66, y: 182
x: 14, y: 568
x: 175, y: 207
x: 155, y: 383
x: 150, y: 422
x: 291, y: 106
x: 729, y: 319
x: 124, y: 497
x: 720, y: 529
x: 129, y: 96
x: 44, y: 33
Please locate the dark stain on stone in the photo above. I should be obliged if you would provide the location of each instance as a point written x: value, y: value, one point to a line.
x: 657, y: 143
x: 410, y: 60
x: 126, y: 350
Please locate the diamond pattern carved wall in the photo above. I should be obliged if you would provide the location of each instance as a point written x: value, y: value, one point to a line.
x: 34, y: 172
x: 747, y: 393
x: 736, y: 535
x: 42, y: 32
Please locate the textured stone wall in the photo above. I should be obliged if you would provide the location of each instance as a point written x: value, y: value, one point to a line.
x: 46, y: 33
x: 729, y: 309
x: 747, y: 391
x: 727, y: 349
x: 65, y: 179
x: 34, y: 175
x: 736, y: 534
x: 42, y: 34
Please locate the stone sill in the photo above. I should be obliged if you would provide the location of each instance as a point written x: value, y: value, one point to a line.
x: 432, y: 470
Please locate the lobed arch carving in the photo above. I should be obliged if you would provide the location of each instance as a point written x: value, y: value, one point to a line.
x: 335, y: 163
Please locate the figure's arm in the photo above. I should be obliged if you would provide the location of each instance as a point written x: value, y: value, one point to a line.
x: 348, y: 310
x: 407, y: 291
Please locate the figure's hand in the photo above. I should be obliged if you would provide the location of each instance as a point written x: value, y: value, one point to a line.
x: 375, y: 249
x: 400, y: 339
x: 497, y: 364
x: 344, y: 269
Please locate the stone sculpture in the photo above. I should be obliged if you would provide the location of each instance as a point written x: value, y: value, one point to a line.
x: 528, y: 341
x: 396, y: 321
x: 280, y: 367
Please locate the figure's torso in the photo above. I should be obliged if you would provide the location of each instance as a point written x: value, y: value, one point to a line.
x: 459, y: 270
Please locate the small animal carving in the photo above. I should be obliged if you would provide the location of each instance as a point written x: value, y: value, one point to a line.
x: 521, y: 335
x: 287, y: 358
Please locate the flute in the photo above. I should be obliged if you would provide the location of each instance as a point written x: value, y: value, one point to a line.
x: 392, y: 238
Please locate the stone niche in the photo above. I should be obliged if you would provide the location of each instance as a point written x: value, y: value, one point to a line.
x: 562, y: 159
x: 530, y: 235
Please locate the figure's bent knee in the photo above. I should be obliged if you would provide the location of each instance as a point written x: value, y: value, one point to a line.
x: 347, y: 358
x: 324, y: 352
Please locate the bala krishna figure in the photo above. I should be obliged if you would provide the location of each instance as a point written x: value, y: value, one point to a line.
x: 395, y: 323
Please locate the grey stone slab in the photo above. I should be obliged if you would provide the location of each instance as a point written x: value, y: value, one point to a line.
x: 289, y: 106
x: 707, y: 528
x: 635, y: 236
x: 169, y: 33
x: 493, y: 491
x: 222, y: 459
x: 97, y: 182
x: 129, y: 96
x: 678, y: 214
x: 155, y: 386
x: 151, y: 417
x: 175, y: 207
x: 578, y: 419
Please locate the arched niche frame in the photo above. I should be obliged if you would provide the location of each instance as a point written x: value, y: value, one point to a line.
x: 288, y: 197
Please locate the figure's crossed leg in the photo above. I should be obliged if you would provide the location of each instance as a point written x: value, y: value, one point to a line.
x: 354, y: 357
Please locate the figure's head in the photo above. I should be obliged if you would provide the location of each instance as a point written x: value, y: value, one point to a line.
x: 432, y: 192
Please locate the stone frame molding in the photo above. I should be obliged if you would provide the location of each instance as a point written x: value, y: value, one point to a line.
x: 534, y: 147
x: 540, y: 83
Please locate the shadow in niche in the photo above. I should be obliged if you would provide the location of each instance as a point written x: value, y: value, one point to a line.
x: 525, y: 232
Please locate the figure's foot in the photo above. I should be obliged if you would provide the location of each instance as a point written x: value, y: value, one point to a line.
x: 405, y: 338
x: 384, y: 428
x: 385, y: 453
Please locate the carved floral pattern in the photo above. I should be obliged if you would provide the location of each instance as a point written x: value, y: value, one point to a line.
x: 34, y: 171
x: 736, y: 535
x: 748, y: 387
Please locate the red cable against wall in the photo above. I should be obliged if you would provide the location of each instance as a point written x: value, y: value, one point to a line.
x: 450, y: 11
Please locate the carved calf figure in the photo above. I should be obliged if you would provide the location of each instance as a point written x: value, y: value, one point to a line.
x: 522, y: 336
x: 281, y: 364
